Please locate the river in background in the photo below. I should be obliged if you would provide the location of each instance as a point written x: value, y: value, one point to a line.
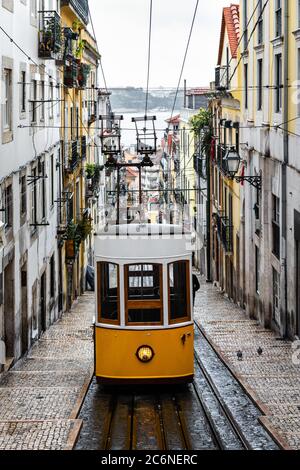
x: 128, y: 127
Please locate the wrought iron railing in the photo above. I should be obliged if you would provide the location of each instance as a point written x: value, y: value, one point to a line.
x: 222, y: 77
x: 72, y: 155
x: 221, y: 152
x: 50, y: 35
x: 225, y: 232
x: 80, y: 7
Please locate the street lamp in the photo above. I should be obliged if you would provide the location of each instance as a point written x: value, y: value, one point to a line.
x: 231, y: 162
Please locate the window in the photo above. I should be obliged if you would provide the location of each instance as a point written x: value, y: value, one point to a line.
x: 108, y: 292
x: 51, y: 99
x: 257, y: 270
x: 8, y: 201
x: 259, y: 84
x: 179, y: 292
x: 34, y: 199
x: 23, y: 201
x: 33, y: 9
x: 143, y: 294
x: 23, y: 92
x: 278, y: 18
x: 260, y: 26
x: 246, y: 85
x: 51, y: 180
x: 276, y: 226
x: 52, y: 277
x: 33, y: 100
x: 278, y: 83
x: 42, y: 97
x: 7, y: 118
x: 276, y: 297
x: 43, y: 183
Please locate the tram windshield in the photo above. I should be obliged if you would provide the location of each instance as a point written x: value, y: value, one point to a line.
x: 108, y: 291
x: 179, y: 295
x: 143, y: 284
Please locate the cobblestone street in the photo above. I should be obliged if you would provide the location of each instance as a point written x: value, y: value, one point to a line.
x: 40, y: 396
x: 271, y: 378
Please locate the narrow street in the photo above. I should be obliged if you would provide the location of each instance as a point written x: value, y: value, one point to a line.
x: 42, y: 395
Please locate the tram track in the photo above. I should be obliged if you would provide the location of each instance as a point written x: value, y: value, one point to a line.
x: 191, y: 417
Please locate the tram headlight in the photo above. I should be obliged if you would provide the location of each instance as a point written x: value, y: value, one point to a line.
x: 145, y: 353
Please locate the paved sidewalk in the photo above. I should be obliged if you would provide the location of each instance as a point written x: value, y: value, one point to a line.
x: 41, y: 395
x: 271, y: 378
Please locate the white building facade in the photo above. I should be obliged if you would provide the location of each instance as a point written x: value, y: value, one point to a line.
x: 30, y: 161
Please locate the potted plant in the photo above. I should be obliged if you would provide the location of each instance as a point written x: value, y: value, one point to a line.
x: 73, y: 240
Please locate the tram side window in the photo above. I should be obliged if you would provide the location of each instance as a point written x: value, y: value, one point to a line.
x: 144, y: 293
x: 179, y: 292
x: 108, y: 292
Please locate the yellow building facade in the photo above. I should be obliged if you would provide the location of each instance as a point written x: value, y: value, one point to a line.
x: 79, y: 117
x: 225, y: 192
x: 270, y: 70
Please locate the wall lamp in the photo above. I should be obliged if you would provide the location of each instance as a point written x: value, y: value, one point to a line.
x: 232, y: 162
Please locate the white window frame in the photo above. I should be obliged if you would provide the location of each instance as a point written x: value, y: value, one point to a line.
x: 7, y: 97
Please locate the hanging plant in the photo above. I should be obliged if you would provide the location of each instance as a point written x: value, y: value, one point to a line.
x: 90, y: 170
x: 201, y: 125
x: 79, y: 49
x: 85, y: 227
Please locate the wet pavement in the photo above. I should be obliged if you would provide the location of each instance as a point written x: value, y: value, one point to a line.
x: 271, y: 378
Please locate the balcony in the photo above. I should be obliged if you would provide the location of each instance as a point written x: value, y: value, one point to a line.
x: 83, y: 74
x: 50, y: 38
x: 83, y: 147
x: 72, y: 155
x: 71, y: 75
x: 222, y: 76
x: 225, y: 232
x: 80, y: 8
x: 200, y: 166
x: 221, y: 152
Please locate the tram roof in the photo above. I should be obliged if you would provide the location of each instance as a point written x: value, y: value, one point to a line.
x: 143, y: 229
x: 142, y: 242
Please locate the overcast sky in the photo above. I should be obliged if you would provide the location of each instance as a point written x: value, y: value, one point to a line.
x: 122, y: 32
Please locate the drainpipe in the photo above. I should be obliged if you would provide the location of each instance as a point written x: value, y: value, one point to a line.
x: 284, y: 165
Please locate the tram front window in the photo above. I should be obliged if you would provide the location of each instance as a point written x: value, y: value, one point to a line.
x: 179, y: 292
x: 143, y: 284
x: 108, y: 292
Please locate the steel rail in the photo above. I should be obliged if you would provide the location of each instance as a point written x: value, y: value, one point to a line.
x: 230, y: 418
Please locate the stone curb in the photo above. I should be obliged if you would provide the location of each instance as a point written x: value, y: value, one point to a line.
x: 74, y: 434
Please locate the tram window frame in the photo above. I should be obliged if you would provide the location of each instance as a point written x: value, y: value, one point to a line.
x: 99, y: 293
x: 187, y: 317
x: 140, y: 304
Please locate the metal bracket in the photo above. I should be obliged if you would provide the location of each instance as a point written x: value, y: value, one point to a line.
x: 255, y: 181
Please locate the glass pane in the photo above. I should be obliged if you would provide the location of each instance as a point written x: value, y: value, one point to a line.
x: 109, y: 292
x: 144, y: 315
x: 178, y: 290
x: 144, y: 282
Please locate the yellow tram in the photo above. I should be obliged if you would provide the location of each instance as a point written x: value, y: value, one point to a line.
x: 144, y: 310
